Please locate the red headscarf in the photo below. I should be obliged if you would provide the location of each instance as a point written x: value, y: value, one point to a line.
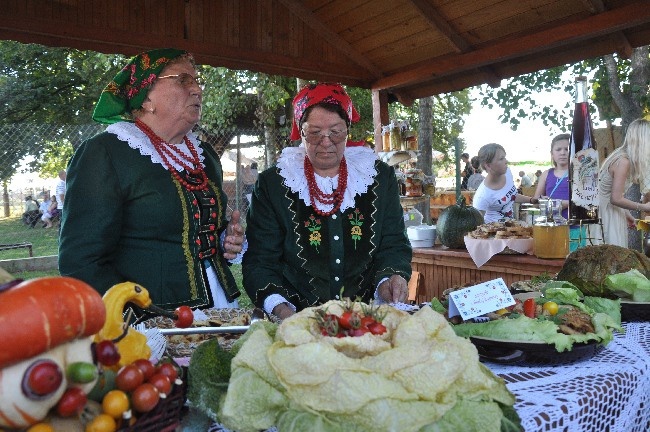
x: 313, y: 94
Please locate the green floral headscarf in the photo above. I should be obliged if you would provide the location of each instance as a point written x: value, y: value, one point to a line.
x: 128, y: 89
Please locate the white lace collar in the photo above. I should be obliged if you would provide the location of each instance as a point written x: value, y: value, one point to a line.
x: 137, y: 140
x: 361, y: 173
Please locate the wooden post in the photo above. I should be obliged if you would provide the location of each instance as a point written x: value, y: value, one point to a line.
x: 379, y: 115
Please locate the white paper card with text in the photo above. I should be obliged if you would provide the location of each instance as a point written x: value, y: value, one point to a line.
x: 480, y: 299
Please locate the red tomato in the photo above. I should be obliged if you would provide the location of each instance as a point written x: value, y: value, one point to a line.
x: 529, y: 308
x: 72, y: 402
x: 367, y: 320
x: 42, y: 378
x: 349, y: 320
x: 358, y: 331
x: 148, y: 369
x: 184, y: 317
x: 145, y: 398
x: 129, y: 377
x: 106, y: 353
x: 162, y: 383
x: 169, y: 370
x: 377, y: 328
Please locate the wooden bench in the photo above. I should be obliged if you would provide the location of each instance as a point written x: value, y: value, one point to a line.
x: 17, y: 246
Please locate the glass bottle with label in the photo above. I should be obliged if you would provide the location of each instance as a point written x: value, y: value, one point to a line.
x: 583, y: 170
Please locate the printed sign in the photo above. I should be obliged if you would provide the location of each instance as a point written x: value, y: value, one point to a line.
x: 480, y: 299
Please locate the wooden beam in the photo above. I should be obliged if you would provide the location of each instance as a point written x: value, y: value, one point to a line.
x: 608, y: 22
x: 307, y: 16
x: 622, y: 45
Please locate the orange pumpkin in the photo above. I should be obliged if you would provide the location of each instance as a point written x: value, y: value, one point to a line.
x: 40, y: 314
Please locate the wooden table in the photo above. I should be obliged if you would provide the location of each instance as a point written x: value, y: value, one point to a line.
x: 444, y: 268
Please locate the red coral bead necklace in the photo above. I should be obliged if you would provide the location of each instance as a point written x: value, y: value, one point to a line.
x: 315, y: 194
x: 191, y: 164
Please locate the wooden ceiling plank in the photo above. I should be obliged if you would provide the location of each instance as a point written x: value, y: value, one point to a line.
x: 297, y: 9
x: 265, y: 18
x: 597, y: 25
x: 441, y: 25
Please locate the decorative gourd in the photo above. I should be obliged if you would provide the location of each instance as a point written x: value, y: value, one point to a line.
x: 455, y: 221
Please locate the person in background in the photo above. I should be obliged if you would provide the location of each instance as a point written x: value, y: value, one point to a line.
x: 538, y: 174
x: 475, y: 179
x: 51, y: 214
x: 628, y: 164
x: 249, y: 178
x: 327, y: 220
x: 44, y: 208
x: 495, y: 197
x: 31, y: 214
x: 60, y: 190
x: 525, y: 180
x: 145, y: 201
x: 468, y: 170
x: 554, y: 182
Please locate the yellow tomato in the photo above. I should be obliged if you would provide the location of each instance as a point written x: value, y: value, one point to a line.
x: 550, y: 307
x: 501, y: 311
x: 115, y: 403
x: 41, y: 427
x: 102, y: 423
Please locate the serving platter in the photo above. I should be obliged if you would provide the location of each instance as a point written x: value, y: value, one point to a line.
x: 635, y: 311
x: 508, y: 351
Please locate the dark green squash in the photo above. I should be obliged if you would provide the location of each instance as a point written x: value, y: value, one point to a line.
x: 455, y: 221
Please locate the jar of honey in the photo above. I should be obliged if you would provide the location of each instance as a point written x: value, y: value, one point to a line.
x: 414, y: 180
x: 551, y: 241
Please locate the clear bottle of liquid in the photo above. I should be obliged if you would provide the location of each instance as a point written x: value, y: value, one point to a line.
x: 583, y: 170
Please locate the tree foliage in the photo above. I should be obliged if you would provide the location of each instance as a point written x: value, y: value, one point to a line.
x: 619, y: 90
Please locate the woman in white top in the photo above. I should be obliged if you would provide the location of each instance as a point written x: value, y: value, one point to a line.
x: 495, y: 197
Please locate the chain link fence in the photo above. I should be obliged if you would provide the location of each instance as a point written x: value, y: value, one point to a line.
x: 23, y: 147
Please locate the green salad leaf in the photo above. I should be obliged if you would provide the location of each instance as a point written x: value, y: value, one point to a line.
x: 631, y: 285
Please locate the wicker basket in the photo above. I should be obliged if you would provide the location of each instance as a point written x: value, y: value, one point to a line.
x: 166, y: 417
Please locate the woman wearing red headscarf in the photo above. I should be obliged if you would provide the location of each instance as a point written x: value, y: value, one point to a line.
x: 327, y: 217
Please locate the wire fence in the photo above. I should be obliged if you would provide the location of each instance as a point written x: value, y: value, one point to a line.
x: 23, y: 147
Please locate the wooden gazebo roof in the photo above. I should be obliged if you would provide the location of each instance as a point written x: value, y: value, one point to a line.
x: 407, y: 48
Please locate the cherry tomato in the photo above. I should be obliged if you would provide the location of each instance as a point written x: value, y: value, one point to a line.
x: 41, y: 427
x: 551, y: 307
x: 377, y: 328
x: 147, y: 368
x: 162, y: 383
x: 129, y: 377
x: 367, y: 320
x: 72, y: 402
x: 115, y: 403
x: 349, y: 320
x: 42, y: 378
x: 184, y: 317
x: 145, y: 398
x: 102, y: 423
x: 169, y: 370
x: 358, y: 331
x: 106, y: 353
x: 529, y: 308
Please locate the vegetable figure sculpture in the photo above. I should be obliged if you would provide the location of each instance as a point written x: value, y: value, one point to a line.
x: 46, y: 324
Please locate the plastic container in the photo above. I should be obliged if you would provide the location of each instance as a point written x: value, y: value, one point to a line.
x: 422, y: 236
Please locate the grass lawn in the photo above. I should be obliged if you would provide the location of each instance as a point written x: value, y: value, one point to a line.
x: 46, y: 242
x: 12, y: 230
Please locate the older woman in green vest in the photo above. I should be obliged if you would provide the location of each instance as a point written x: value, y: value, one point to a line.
x: 144, y: 199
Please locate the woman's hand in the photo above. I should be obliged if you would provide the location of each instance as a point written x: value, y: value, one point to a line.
x: 283, y: 311
x: 232, y: 244
x: 394, y: 290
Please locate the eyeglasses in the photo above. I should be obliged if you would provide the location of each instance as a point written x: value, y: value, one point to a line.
x: 186, y: 80
x: 315, y: 137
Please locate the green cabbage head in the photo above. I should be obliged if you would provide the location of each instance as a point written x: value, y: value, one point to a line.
x: 418, y: 376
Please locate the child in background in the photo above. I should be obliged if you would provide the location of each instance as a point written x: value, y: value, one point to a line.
x: 495, y: 197
x: 554, y: 182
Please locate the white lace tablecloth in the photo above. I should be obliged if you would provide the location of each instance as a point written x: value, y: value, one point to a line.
x: 608, y: 392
